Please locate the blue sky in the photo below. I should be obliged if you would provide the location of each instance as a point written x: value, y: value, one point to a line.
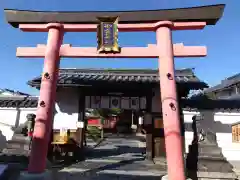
x: 222, y: 41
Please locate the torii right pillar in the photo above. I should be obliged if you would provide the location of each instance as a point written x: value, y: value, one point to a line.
x: 170, y: 109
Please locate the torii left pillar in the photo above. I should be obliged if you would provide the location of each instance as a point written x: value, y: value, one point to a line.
x: 44, y: 115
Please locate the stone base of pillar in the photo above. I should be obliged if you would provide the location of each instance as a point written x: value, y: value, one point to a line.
x: 47, y: 175
x: 165, y: 177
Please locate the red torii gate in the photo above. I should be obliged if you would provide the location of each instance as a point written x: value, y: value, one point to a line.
x: 163, y: 22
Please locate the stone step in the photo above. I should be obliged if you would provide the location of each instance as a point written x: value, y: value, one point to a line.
x: 18, y: 141
x: 20, y: 138
x: 17, y: 151
x: 12, y: 157
x: 15, y: 145
x: 116, y: 173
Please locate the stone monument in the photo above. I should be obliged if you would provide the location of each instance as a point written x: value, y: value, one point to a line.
x: 205, y: 157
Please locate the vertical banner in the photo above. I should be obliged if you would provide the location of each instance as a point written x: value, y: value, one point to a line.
x: 105, y: 102
x: 96, y: 101
x: 134, y: 103
x: 142, y: 102
x: 115, y: 102
x: 125, y: 103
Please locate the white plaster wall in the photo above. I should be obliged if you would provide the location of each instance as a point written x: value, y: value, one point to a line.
x: 12, y: 117
x: 188, y: 128
x: 67, y: 104
x: 66, y: 114
x: 223, y: 128
x: 8, y: 116
x: 23, y: 114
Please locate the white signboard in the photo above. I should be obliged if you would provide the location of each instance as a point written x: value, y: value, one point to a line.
x: 63, y: 134
x: 63, y: 131
x: 140, y: 120
x: 80, y: 124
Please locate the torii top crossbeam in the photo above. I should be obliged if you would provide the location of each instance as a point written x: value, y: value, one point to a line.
x: 208, y: 14
x: 148, y: 20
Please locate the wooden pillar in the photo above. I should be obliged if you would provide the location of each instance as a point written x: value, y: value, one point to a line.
x: 170, y: 110
x: 149, y: 128
x: 80, y: 133
x: 159, y: 142
x: 81, y: 118
x: 45, y: 111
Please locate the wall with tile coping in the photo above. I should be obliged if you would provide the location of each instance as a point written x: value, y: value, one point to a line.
x: 66, y: 115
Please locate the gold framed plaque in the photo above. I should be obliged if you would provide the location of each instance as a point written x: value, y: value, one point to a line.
x: 107, y: 35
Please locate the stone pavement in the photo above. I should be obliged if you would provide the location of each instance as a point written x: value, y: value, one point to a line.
x: 115, y: 158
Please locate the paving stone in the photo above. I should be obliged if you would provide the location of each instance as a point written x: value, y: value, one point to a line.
x: 117, y: 158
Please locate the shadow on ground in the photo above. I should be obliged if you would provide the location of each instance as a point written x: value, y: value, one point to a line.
x: 97, y: 171
x: 119, y: 150
x: 106, y: 172
x: 102, y: 176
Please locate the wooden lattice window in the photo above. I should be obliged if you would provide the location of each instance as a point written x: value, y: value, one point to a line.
x: 236, y: 132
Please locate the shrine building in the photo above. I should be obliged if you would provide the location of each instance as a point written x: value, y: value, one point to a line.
x: 132, y: 90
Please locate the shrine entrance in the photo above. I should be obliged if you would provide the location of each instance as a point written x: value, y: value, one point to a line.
x: 127, y: 98
x: 127, y: 90
x: 107, y: 25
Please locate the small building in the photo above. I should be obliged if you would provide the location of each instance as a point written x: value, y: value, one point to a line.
x: 229, y: 88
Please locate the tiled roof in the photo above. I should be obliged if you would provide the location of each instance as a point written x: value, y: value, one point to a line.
x: 12, y: 92
x: 232, y: 97
x: 187, y: 104
x: 75, y: 77
x: 209, y: 104
x: 233, y: 80
x: 18, y: 101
